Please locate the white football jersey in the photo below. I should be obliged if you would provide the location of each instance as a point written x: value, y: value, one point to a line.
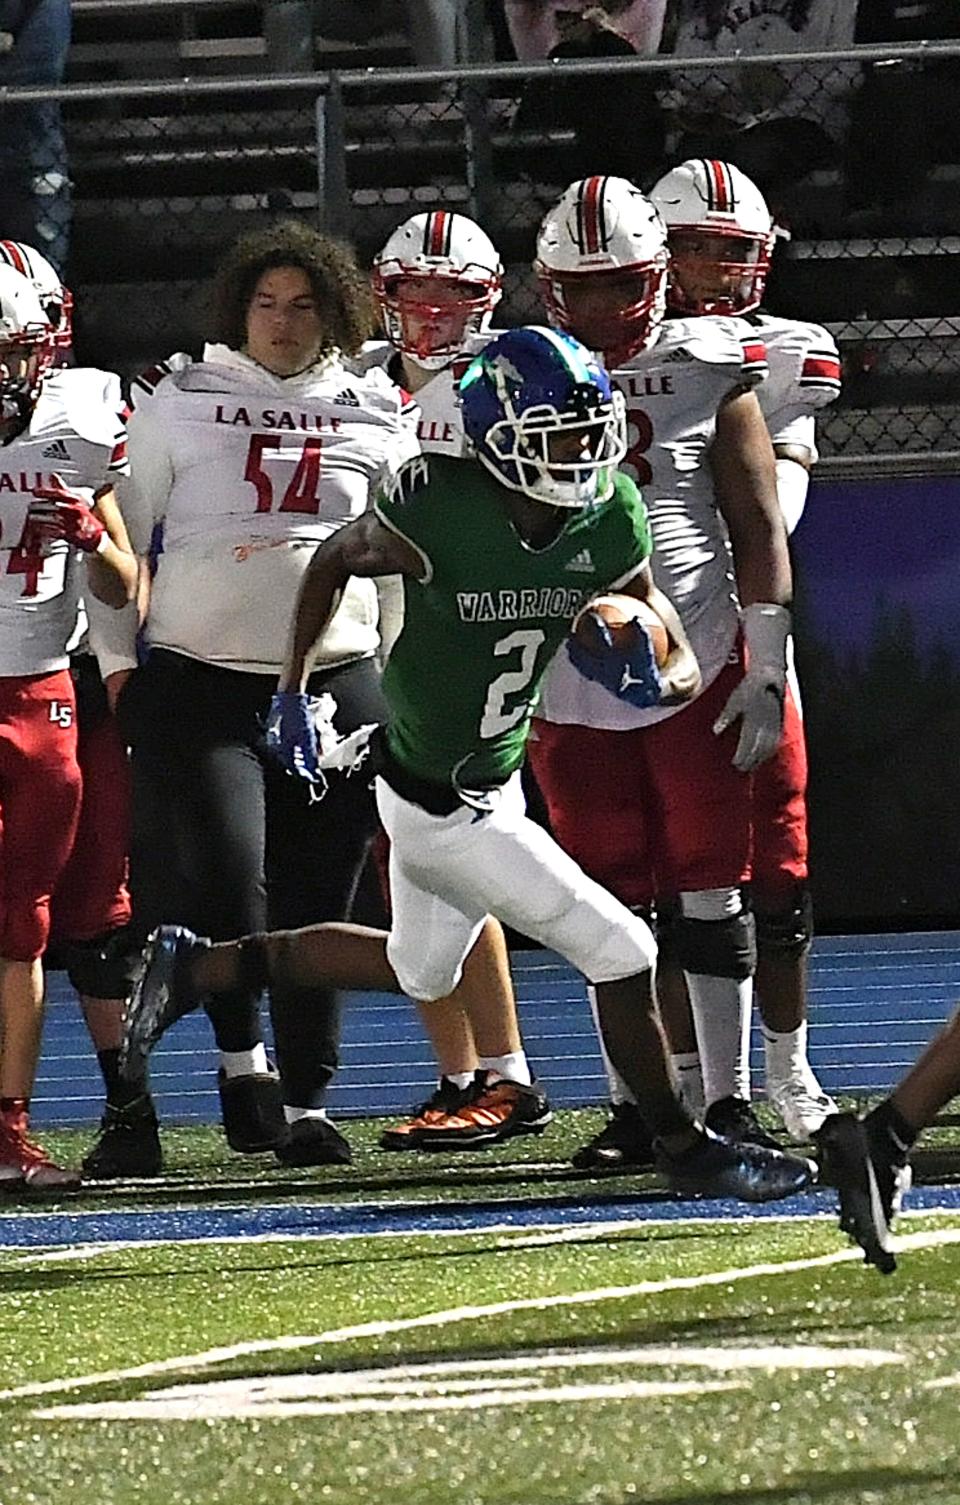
x: 75, y: 433
x: 247, y: 473
x: 673, y: 392
x: 804, y: 376
x: 436, y: 405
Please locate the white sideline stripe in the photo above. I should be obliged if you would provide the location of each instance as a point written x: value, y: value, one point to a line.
x: 946, y: 1382
x: 178, y: 1410
x: 910, y: 1241
x: 510, y: 1235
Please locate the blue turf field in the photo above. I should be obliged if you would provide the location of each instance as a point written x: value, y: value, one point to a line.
x: 875, y: 1001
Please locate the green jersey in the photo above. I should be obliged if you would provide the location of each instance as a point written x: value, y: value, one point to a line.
x: 489, y: 613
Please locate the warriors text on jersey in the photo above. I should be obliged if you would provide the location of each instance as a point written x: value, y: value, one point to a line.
x: 74, y: 433
x: 673, y: 392
x: 488, y: 614
x: 248, y: 472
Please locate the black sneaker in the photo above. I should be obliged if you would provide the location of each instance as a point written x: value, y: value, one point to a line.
x: 161, y: 994
x: 717, y: 1167
x: 734, y: 1118
x: 314, y: 1141
x: 871, y: 1175
x: 445, y: 1103
x: 624, y: 1143
x: 252, y: 1110
x: 128, y: 1143
x: 496, y: 1111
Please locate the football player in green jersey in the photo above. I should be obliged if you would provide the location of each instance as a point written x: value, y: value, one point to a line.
x: 497, y: 557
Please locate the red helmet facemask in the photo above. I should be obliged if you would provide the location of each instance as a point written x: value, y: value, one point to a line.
x: 617, y: 329
x: 707, y: 281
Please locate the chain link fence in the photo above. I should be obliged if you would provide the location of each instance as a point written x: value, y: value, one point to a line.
x: 858, y: 153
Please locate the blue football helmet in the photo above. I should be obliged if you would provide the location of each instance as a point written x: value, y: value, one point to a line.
x: 543, y: 418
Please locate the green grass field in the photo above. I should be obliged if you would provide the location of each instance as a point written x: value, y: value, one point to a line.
x: 656, y: 1359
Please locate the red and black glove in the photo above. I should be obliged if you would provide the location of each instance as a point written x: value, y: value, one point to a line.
x: 59, y: 512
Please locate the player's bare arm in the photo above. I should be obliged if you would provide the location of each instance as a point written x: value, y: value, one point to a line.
x: 680, y: 673
x: 742, y: 462
x: 365, y: 548
x: 113, y: 572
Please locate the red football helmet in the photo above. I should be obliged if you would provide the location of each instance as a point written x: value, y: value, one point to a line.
x: 55, y: 299
x: 602, y: 266
x: 437, y: 281
x: 721, y: 236
x: 26, y: 349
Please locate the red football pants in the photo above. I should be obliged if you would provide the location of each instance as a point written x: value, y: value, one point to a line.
x: 39, y: 804
x: 656, y: 810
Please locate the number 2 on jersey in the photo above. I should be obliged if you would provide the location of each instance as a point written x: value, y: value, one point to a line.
x: 496, y: 718
x: 301, y: 494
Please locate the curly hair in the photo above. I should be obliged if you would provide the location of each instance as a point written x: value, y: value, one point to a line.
x: 344, y: 300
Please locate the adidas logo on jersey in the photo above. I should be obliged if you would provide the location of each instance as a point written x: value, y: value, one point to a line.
x: 347, y: 399
x: 56, y: 451
x: 580, y: 564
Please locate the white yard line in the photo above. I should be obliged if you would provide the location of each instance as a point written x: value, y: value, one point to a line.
x: 908, y: 1242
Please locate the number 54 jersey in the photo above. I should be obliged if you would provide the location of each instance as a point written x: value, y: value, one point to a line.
x: 673, y: 392
x: 74, y: 432
x: 246, y: 473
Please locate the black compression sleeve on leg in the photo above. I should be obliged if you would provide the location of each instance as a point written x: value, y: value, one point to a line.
x: 253, y: 963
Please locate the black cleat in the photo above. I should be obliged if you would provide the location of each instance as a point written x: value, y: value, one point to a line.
x: 314, y: 1141
x: 734, y: 1118
x: 128, y: 1143
x: 717, y: 1167
x: 162, y: 994
x: 871, y: 1177
x: 251, y: 1107
x: 624, y: 1143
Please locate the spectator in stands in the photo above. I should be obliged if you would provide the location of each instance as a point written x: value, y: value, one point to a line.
x: 564, y: 103
x: 777, y: 124
x: 249, y: 458
x: 921, y: 92
x: 536, y: 26
x: 34, y: 177
x: 58, y: 527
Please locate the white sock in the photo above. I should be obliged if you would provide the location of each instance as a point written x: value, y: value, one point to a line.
x: 689, y: 1079
x: 785, y: 1052
x: 460, y: 1079
x: 294, y: 1115
x: 245, y: 1062
x: 721, y: 1014
x: 616, y: 1087
x: 509, y: 1068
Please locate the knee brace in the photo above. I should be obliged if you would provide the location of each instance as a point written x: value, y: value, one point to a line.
x: 787, y: 932
x: 716, y: 937
x: 104, y: 966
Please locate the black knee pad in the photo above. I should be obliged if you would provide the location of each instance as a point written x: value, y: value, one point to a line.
x: 103, y: 967
x: 787, y: 932
x: 718, y: 948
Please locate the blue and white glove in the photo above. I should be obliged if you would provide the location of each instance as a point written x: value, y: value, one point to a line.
x: 292, y: 735
x: 632, y: 676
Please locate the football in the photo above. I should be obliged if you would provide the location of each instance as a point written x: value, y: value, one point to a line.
x: 625, y: 616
